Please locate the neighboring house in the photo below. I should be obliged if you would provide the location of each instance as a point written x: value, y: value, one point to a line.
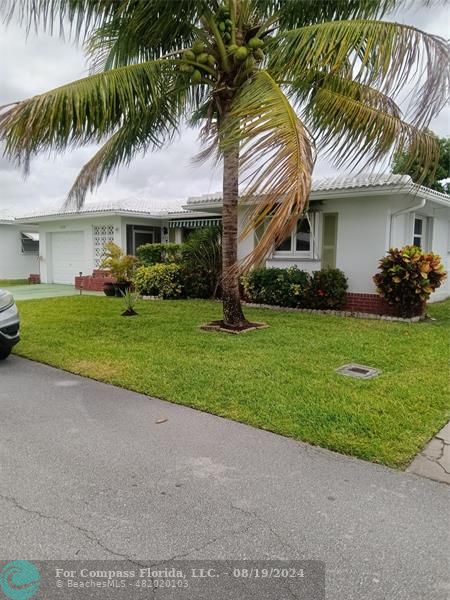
x: 19, y: 249
x: 350, y: 224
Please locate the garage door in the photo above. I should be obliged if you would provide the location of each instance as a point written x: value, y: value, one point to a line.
x: 68, y: 256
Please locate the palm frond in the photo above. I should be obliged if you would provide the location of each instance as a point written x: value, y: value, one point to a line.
x: 297, y: 13
x: 385, y: 55
x: 144, y: 31
x: 303, y: 91
x: 276, y: 160
x: 157, y: 24
x: 358, y: 126
x: 91, y: 109
x: 78, y: 16
x: 133, y: 138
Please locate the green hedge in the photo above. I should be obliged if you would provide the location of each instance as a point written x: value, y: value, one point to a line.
x: 325, y: 289
x: 280, y: 287
x: 153, y: 254
x: 162, y: 280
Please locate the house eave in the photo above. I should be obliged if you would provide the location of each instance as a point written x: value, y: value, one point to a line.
x: 89, y: 215
x: 383, y: 190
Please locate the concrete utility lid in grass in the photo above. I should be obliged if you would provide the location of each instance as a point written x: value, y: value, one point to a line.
x: 358, y: 371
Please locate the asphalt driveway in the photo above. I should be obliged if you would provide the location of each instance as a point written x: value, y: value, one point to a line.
x: 90, y: 471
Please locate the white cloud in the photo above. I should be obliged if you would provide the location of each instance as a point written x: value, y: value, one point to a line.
x: 30, y: 66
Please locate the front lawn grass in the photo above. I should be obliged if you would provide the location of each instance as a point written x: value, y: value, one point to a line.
x: 281, y: 378
x: 9, y: 282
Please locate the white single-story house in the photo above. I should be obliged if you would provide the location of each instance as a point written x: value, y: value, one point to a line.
x: 351, y: 222
x: 72, y: 242
x: 19, y: 249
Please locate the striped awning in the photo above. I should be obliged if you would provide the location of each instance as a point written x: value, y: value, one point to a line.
x: 194, y: 223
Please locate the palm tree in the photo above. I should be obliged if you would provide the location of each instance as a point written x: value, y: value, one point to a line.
x: 268, y: 81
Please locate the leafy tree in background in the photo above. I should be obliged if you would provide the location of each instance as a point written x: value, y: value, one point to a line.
x: 406, y: 164
x: 268, y: 82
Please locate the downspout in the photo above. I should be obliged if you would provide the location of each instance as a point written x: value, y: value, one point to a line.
x: 404, y: 211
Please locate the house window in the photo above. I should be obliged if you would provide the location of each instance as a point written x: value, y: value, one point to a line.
x: 102, y: 235
x: 300, y: 242
x: 419, y: 232
x: 30, y: 243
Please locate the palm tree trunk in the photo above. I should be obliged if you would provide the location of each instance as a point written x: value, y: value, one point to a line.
x: 232, y: 311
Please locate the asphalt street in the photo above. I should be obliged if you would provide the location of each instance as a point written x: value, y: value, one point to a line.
x: 91, y: 471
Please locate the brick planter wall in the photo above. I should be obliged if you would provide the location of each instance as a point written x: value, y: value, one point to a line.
x: 367, y: 303
x: 94, y: 282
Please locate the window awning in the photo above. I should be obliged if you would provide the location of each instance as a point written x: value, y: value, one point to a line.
x: 30, y: 236
x: 193, y: 223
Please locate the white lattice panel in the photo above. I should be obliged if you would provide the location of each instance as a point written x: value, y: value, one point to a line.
x: 102, y: 235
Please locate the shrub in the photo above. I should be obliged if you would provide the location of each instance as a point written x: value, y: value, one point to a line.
x: 201, y: 257
x: 162, y: 280
x: 281, y: 287
x: 327, y: 290
x: 408, y: 276
x: 120, y: 265
x: 153, y: 254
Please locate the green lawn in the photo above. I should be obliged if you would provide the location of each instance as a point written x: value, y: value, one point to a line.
x: 281, y: 378
x: 8, y: 282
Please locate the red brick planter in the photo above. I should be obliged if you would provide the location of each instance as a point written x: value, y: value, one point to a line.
x: 367, y: 303
x: 94, y: 282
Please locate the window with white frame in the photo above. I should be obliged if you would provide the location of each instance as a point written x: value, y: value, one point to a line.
x: 301, y: 241
x: 102, y: 235
x: 419, y: 233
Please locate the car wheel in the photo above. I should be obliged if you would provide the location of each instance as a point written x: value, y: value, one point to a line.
x: 4, y: 353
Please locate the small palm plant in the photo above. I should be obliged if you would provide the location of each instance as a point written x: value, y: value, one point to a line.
x: 202, y: 260
x: 120, y: 265
x: 268, y: 81
x: 129, y: 301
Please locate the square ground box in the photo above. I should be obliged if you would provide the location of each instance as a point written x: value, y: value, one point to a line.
x: 358, y: 371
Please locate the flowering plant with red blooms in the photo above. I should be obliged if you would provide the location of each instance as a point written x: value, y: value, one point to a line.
x: 327, y: 290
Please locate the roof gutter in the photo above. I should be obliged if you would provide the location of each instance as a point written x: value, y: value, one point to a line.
x: 404, y: 211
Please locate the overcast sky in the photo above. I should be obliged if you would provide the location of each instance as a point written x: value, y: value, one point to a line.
x: 167, y: 177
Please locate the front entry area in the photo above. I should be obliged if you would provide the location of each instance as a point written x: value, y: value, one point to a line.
x: 138, y: 235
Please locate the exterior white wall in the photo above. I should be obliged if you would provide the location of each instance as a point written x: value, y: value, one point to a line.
x: 441, y: 245
x: 366, y: 230
x: 362, y: 238
x: 14, y: 264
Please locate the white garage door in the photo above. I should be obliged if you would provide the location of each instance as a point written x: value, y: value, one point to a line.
x: 68, y: 256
